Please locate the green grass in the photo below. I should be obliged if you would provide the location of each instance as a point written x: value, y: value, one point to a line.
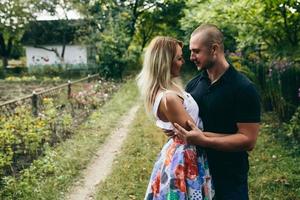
x: 274, y: 168
x: 274, y: 171
x: 50, y: 176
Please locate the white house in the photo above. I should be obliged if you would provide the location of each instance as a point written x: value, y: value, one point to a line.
x: 74, y: 54
x: 42, y: 37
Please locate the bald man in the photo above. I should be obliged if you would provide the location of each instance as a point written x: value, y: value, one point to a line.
x: 229, y: 107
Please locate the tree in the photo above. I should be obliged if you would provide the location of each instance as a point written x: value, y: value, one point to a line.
x: 161, y: 21
x: 65, y: 29
x: 52, y: 32
x: 271, y: 26
x: 267, y: 35
x: 122, y: 29
x: 14, y: 15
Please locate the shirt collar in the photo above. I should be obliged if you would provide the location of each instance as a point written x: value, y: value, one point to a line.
x: 226, y: 76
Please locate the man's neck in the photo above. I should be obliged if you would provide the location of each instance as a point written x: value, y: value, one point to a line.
x: 217, y: 70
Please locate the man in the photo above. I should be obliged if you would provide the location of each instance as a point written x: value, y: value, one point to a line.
x: 230, y: 110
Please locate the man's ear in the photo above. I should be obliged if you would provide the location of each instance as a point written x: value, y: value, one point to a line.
x: 215, y: 49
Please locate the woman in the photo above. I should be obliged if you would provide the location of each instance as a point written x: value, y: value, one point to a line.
x: 179, y: 173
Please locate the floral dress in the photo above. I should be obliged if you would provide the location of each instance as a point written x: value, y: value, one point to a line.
x: 180, y: 172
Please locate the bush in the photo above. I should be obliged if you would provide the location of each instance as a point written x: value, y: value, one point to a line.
x: 23, y: 136
x: 292, y: 129
x: 45, y: 70
x: 278, y: 82
x: 64, y: 71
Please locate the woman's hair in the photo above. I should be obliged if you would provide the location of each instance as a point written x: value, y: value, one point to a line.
x: 156, y: 72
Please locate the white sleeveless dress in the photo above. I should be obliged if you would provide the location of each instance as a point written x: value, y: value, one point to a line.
x: 180, y: 172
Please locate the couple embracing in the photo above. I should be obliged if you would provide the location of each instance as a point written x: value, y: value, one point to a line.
x: 211, y: 124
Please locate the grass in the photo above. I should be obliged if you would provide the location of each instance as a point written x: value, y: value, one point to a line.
x: 50, y: 176
x: 132, y: 168
x: 274, y: 172
x: 274, y: 168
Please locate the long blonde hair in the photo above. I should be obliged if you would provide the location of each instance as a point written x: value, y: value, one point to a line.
x: 156, y: 72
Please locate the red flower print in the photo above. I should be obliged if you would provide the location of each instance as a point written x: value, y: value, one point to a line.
x: 155, y: 186
x: 190, y: 161
x: 170, y: 153
x: 180, y: 178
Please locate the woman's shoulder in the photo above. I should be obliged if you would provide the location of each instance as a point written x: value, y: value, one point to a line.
x: 167, y: 98
x: 171, y: 98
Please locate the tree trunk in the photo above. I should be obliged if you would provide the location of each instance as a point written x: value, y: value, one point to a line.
x: 5, y: 49
x: 4, y: 62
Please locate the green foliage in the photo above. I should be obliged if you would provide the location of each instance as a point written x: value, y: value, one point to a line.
x: 112, y: 50
x: 123, y: 28
x: 274, y: 171
x: 161, y: 21
x: 23, y: 136
x: 270, y: 26
x: 45, y: 70
x: 63, y: 71
x: 94, y: 95
x: 20, y: 79
x: 52, y: 32
x: 278, y: 81
x: 237, y: 61
x: 25, y: 79
x: 51, y: 175
x: 15, y: 15
x: 282, y: 91
x: 292, y: 128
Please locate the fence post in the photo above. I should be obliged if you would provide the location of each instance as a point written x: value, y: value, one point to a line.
x: 69, y: 89
x: 34, y: 100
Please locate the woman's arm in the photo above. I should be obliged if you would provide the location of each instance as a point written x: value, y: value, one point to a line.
x: 171, y: 109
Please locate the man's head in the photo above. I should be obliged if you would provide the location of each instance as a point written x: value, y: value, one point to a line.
x: 206, y: 45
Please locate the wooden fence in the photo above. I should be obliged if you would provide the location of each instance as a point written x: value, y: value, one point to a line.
x: 34, y: 100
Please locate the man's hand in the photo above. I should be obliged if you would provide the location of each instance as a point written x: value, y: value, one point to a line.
x: 194, y: 136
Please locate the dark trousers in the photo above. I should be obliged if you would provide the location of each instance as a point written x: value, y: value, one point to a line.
x: 231, y: 190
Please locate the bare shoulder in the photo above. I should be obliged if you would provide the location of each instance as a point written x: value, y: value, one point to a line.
x: 171, y: 99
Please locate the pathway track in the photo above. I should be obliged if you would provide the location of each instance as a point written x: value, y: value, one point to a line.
x: 101, y: 165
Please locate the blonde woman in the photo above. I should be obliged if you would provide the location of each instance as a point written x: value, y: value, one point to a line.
x: 180, y: 172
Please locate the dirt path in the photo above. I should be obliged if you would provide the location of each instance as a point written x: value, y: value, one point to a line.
x: 101, y: 165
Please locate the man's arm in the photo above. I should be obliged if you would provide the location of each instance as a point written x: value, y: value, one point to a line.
x: 211, y: 134
x: 243, y: 140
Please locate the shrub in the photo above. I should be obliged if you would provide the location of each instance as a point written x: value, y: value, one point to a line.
x: 45, y: 70
x: 65, y: 71
x: 278, y: 82
x: 23, y: 136
x: 292, y: 128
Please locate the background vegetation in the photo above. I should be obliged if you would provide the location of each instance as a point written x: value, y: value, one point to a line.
x: 261, y: 40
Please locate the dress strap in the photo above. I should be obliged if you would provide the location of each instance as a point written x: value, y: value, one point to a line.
x: 156, y: 103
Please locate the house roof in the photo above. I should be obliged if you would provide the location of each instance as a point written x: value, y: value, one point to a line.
x: 52, y: 32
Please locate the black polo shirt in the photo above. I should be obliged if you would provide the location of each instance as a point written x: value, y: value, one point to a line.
x: 231, y: 99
